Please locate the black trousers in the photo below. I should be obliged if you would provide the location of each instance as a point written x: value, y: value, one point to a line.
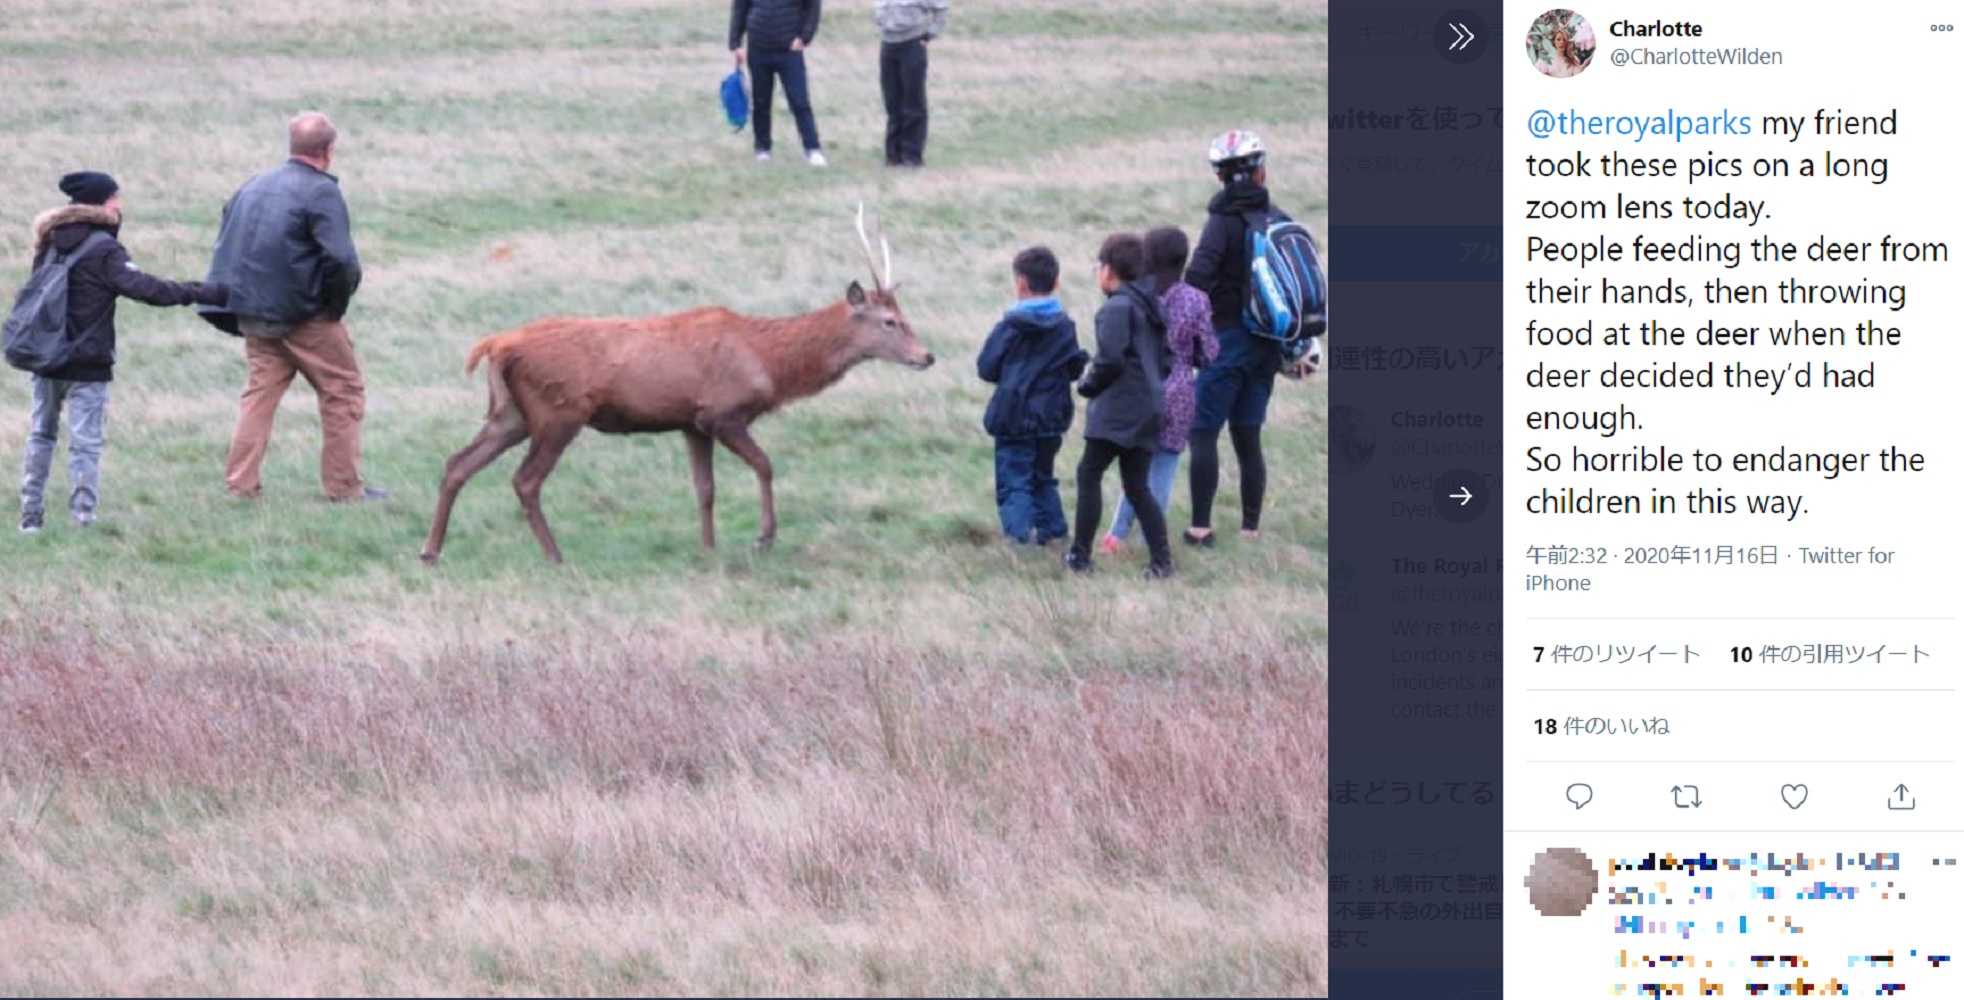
x: 1204, y: 474
x: 903, y: 81
x: 1134, y: 469
x: 767, y: 67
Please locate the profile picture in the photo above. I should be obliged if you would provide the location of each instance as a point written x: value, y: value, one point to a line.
x: 1560, y: 43
x: 1561, y: 882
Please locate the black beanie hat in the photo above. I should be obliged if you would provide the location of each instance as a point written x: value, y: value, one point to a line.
x: 89, y: 187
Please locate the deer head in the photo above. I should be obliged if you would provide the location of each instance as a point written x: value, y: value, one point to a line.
x: 876, y: 318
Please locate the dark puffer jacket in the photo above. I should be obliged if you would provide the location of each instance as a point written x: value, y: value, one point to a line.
x: 1219, y: 266
x: 1032, y: 356
x: 1127, y: 380
x: 772, y: 24
x: 94, y: 283
x: 284, y: 249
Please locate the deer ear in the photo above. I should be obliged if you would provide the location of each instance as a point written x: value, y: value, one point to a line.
x: 855, y: 295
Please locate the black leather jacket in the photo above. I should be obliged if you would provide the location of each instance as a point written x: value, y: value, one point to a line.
x: 284, y: 249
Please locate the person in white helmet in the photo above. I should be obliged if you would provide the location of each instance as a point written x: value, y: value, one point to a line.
x: 1234, y: 390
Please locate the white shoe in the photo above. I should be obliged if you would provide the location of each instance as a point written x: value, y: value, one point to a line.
x: 764, y: 156
x: 815, y: 157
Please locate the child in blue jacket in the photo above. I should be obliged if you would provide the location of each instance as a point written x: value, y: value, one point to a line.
x: 1032, y: 357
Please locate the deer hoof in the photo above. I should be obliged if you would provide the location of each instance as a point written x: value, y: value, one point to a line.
x: 765, y: 542
x: 428, y: 557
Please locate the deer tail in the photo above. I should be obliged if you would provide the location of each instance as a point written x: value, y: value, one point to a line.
x: 495, y: 375
x: 479, y: 352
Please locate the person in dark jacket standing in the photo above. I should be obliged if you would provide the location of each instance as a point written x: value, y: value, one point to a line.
x: 285, y: 250
x: 1032, y: 357
x: 1233, y: 391
x: 1126, y: 386
x: 779, y: 33
x: 97, y: 277
x: 906, y: 26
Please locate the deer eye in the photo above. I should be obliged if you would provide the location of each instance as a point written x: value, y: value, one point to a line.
x: 889, y: 323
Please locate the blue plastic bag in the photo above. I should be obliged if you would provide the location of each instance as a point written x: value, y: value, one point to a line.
x: 736, y: 100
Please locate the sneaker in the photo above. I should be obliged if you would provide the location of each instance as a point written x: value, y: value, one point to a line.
x: 1159, y: 571
x: 1205, y: 541
x: 763, y: 156
x: 1111, y: 545
x: 815, y: 157
x: 369, y: 494
x: 1077, y: 562
x: 30, y: 522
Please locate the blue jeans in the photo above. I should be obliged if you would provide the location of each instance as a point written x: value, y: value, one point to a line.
x: 1165, y: 464
x: 1027, y: 501
x: 1234, y: 390
x: 88, y: 405
x: 766, y: 67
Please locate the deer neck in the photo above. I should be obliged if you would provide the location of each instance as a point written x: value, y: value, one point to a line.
x: 805, y: 354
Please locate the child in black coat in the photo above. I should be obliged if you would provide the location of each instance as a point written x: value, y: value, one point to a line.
x: 1126, y: 386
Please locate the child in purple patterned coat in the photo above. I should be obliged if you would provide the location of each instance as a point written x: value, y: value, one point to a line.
x: 1191, y: 344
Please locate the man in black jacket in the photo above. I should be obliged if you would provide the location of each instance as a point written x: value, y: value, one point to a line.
x: 1234, y: 390
x: 101, y: 272
x: 779, y: 32
x: 285, y: 252
x: 1126, y: 385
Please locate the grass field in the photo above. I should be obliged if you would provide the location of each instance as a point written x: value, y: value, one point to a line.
x: 259, y: 749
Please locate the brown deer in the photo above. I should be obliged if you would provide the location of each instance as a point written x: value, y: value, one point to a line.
x: 707, y: 373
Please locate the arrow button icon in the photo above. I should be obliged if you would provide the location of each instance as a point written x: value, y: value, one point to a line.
x: 1678, y: 794
x: 1459, y: 35
x: 1453, y: 497
x: 1901, y: 802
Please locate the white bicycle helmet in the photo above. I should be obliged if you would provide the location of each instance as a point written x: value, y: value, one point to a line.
x: 1235, y: 152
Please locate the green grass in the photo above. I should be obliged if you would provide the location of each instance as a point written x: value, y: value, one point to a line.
x: 888, y: 756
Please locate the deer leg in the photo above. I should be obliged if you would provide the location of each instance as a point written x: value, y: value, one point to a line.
x: 702, y: 469
x: 737, y: 439
x: 547, y: 445
x: 494, y: 439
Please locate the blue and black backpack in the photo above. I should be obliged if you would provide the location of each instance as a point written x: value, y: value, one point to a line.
x: 1288, y: 293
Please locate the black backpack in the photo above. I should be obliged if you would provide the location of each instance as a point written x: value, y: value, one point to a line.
x: 1288, y: 293
x: 36, y: 332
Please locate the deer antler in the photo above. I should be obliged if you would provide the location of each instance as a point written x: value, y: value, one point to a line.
x: 886, y: 253
x: 867, y: 245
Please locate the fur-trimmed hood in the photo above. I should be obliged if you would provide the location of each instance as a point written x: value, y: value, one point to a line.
x: 84, y: 217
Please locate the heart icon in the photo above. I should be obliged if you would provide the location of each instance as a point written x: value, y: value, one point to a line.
x: 1793, y: 795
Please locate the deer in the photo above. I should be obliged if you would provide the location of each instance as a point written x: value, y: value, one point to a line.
x: 707, y: 372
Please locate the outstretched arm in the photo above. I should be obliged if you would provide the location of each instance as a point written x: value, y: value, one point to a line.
x: 123, y: 276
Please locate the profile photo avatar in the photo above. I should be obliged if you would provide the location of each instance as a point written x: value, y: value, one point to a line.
x: 1560, y: 43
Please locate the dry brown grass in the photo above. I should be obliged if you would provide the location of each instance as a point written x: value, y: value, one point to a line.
x: 525, y: 819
